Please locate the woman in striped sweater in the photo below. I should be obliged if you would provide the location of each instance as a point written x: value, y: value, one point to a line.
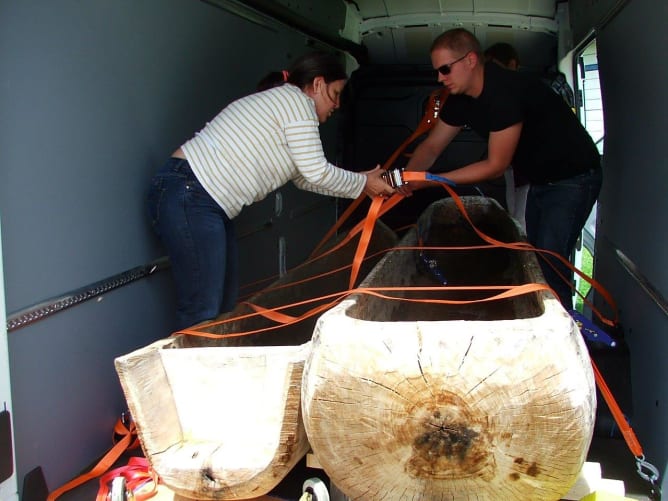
x: 252, y: 147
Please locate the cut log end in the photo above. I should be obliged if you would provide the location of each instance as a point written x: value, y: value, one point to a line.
x: 485, y: 401
x: 447, y: 442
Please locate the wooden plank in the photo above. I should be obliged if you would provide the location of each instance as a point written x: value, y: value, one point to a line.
x: 589, y: 480
x: 166, y: 494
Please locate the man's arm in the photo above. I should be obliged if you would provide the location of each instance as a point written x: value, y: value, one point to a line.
x: 500, y: 150
x: 426, y: 153
x: 428, y: 150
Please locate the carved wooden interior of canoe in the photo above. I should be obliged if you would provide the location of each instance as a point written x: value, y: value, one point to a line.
x: 485, y: 401
x: 221, y: 418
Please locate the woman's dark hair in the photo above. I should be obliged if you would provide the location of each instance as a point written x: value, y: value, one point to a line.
x: 304, y: 69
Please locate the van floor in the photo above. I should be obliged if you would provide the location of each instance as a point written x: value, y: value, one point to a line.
x: 616, y: 461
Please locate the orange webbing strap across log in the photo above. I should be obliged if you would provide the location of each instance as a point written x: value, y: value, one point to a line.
x: 283, y: 320
x: 436, y: 100
x: 423, y: 176
x: 274, y: 314
x: 128, y: 440
x: 378, y: 207
x: 347, y: 238
x: 359, y: 227
x: 311, y: 278
x: 365, y: 238
x: 506, y: 291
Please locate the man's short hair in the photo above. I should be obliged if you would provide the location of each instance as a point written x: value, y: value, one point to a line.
x: 457, y: 40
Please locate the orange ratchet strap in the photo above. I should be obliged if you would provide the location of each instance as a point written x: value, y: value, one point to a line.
x: 140, y: 480
x: 646, y: 470
x: 126, y: 430
x: 436, y: 100
x: 399, y: 177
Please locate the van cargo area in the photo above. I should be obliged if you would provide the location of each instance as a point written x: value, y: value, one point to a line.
x: 96, y: 95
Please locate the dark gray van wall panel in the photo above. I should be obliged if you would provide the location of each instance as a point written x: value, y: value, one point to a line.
x: 593, y: 15
x: 65, y: 391
x: 95, y: 96
x: 633, y: 204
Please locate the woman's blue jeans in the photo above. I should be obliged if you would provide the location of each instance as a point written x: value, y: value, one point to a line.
x: 200, y: 241
x: 555, y: 215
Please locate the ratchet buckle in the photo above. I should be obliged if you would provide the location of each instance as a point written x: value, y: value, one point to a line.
x: 394, y: 177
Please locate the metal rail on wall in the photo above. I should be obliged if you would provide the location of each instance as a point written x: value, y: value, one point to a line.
x: 633, y: 270
x: 51, y: 306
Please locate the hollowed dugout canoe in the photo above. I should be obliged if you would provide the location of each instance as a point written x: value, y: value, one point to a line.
x: 221, y: 418
x: 483, y: 401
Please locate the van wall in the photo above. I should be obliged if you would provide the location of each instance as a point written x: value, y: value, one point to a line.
x: 633, y: 203
x: 95, y: 96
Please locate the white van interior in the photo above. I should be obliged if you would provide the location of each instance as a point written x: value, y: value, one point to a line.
x: 95, y: 96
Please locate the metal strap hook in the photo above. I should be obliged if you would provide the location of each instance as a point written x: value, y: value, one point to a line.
x: 648, y: 472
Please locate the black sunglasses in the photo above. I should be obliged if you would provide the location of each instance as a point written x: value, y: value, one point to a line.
x: 447, y: 68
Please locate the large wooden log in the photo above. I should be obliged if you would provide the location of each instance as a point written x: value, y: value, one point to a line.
x: 221, y: 418
x: 483, y: 401
x: 217, y: 422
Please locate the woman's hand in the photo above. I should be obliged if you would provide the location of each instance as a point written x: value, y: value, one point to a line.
x: 375, y: 184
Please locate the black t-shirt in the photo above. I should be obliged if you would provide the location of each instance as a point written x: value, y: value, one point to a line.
x: 553, y: 145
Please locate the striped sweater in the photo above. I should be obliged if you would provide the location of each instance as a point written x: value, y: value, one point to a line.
x: 260, y: 142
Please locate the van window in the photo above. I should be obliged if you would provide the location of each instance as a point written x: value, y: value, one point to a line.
x: 589, y: 107
x: 589, y: 89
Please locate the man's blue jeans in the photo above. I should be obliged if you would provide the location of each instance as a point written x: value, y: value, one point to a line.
x: 555, y: 215
x: 200, y: 241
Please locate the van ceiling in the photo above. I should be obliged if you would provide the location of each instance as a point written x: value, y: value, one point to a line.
x: 401, y: 31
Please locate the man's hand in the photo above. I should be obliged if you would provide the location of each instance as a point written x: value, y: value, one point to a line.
x: 375, y: 184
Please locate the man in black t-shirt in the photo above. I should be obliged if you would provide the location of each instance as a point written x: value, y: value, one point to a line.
x: 527, y: 125
x: 517, y: 186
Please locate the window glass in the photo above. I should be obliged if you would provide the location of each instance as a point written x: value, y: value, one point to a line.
x: 589, y: 90
x: 589, y: 107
